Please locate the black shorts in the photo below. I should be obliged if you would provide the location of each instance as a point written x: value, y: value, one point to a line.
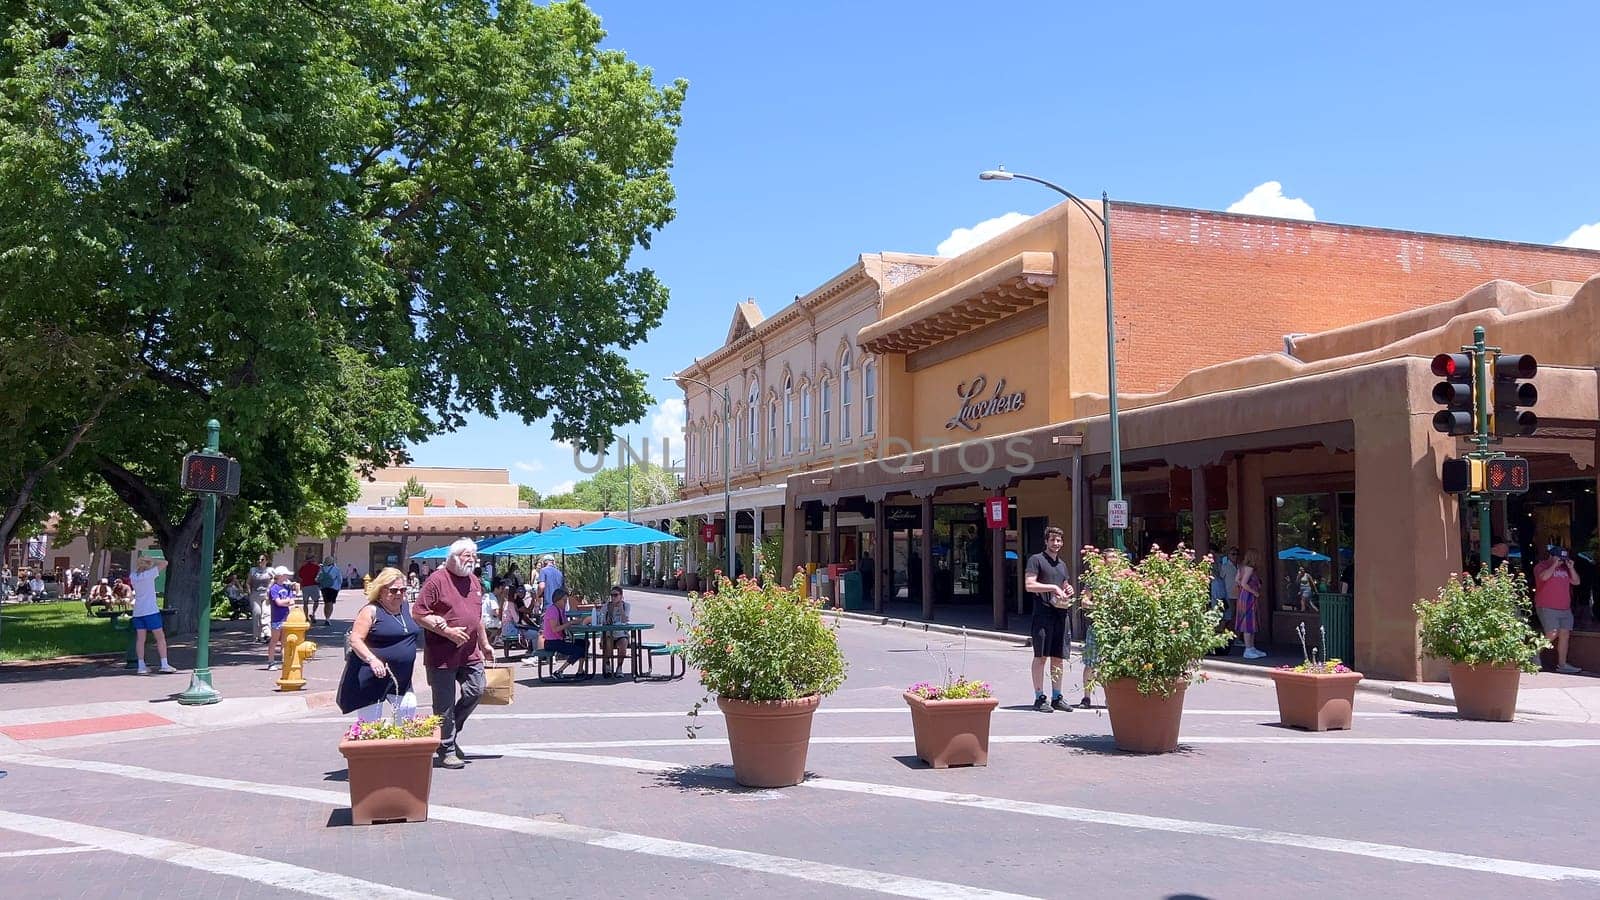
x: 1050, y: 636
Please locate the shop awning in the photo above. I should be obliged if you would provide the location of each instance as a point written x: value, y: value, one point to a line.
x: 1019, y: 283
x: 761, y: 497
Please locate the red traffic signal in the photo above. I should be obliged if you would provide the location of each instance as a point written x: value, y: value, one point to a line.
x: 1455, y: 393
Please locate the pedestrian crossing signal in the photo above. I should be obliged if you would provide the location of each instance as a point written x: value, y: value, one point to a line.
x: 1506, y: 475
x: 206, y: 473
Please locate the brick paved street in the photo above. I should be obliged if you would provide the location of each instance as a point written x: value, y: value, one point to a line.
x: 580, y: 790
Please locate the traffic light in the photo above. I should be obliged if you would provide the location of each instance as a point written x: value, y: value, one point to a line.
x: 1455, y: 394
x: 1512, y: 391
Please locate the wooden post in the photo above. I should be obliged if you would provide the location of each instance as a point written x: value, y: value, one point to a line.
x: 833, y: 533
x: 997, y: 574
x: 927, y: 557
x: 1200, y: 509
x: 880, y: 556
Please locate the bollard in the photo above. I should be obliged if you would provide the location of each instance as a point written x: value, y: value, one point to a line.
x: 296, y: 650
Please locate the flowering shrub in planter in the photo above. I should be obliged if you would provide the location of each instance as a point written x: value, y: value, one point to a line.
x: 390, y: 768
x: 769, y: 658
x: 1153, y: 623
x: 950, y: 721
x: 1481, y: 626
x: 1317, y: 694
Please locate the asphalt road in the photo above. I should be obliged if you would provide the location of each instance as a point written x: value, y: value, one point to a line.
x: 594, y: 789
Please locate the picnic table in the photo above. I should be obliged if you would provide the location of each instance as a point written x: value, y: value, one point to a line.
x: 634, y: 630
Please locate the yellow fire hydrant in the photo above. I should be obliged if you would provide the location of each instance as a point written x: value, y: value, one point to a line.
x: 296, y: 650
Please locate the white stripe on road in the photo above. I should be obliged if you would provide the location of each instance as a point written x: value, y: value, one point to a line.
x: 206, y: 859
x: 1392, y: 852
x: 708, y: 713
x: 1308, y: 740
x: 44, y: 851
x: 788, y: 867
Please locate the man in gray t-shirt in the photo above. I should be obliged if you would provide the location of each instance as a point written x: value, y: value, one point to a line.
x: 1047, y: 581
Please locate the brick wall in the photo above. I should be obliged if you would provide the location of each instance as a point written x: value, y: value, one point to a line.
x: 1195, y: 287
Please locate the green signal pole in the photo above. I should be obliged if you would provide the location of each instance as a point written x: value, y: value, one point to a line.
x: 200, y: 692
x: 1480, y: 360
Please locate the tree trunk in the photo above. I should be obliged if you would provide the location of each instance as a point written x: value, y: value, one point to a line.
x: 184, y: 590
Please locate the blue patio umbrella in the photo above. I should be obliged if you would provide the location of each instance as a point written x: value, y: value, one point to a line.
x: 1301, y: 554
x: 559, y: 539
x: 432, y: 553
x: 630, y: 534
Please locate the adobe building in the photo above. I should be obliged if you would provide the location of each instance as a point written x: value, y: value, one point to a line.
x: 1275, y: 390
x: 800, y: 390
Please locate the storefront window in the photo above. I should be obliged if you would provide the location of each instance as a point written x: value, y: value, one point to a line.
x: 1306, y: 542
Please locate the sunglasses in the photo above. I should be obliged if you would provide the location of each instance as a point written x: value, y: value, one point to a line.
x: 396, y: 589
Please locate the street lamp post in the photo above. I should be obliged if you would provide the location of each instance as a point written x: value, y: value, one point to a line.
x: 1104, y: 218
x: 727, y: 475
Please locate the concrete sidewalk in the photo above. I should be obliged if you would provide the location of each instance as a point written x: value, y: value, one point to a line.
x: 1572, y: 698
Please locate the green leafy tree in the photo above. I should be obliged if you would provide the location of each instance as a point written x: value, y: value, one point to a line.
x: 607, y: 489
x: 335, y: 226
x: 103, y: 520
x: 529, y: 496
x: 412, y: 488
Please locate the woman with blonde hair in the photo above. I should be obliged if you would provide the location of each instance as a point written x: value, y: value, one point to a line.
x: 383, y: 652
x: 1244, y: 617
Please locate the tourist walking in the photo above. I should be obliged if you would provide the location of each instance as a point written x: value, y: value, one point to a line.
x: 550, y: 579
x: 147, y: 612
x: 328, y: 579
x: 383, y: 652
x: 450, y: 608
x: 306, y: 578
x: 259, y: 580
x: 1553, y: 580
x: 1046, y: 580
x: 1248, y: 582
x: 280, y: 597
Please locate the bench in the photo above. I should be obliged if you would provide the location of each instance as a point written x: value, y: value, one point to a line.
x: 677, y: 666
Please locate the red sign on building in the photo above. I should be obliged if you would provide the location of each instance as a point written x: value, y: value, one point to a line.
x: 994, y: 512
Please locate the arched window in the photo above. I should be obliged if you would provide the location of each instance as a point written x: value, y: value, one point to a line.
x: 705, y: 453
x: 825, y: 435
x: 788, y: 415
x: 772, y: 427
x: 846, y: 385
x: 690, y: 457
x: 716, y: 445
x: 750, y: 429
x: 805, y: 416
x: 738, y: 439
x: 869, y: 398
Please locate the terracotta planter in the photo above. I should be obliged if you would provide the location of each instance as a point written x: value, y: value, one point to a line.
x: 1316, y: 702
x: 769, y: 739
x: 951, y: 732
x: 389, y: 780
x: 1488, y: 693
x: 1144, y: 723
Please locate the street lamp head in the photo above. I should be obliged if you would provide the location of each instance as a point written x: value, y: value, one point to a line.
x: 996, y: 174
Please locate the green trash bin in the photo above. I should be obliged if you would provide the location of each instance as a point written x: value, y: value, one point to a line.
x: 853, y: 596
x: 1338, y: 622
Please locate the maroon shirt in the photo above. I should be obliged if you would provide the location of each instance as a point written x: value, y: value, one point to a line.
x: 459, y: 599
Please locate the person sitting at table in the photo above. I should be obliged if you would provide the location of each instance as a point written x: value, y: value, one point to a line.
x: 557, y: 621
x: 100, y: 594
x: 122, y: 593
x: 615, y: 612
x: 491, y: 610
x: 519, y: 624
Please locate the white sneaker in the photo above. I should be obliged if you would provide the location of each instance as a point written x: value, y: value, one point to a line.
x: 1253, y: 653
x: 271, y: 666
x: 168, y: 670
x: 1568, y: 669
x: 144, y: 669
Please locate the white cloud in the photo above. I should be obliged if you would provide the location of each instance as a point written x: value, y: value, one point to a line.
x: 667, y: 422
x: 1587, y: 237
x: 963, y: 239
x: 560, y: 488
x: 528, y: 465
x: 1267, y: 199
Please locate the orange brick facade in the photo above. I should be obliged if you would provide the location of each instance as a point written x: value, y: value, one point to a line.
x: 1195, y: 288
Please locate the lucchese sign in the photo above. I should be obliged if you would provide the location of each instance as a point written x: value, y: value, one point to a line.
x: 973, y: 409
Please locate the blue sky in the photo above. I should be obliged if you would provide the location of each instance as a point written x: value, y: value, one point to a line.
x: 816, y: 131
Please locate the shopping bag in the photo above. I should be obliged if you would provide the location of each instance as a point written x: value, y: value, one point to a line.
x: 497, y: 686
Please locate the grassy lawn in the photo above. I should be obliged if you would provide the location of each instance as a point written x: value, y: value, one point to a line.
x: 47, y: 630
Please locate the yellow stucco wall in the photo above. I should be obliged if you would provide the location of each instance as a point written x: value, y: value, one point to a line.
x: 1020, y: 362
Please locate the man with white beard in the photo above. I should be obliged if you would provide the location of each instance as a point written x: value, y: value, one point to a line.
x: 449, y: 608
